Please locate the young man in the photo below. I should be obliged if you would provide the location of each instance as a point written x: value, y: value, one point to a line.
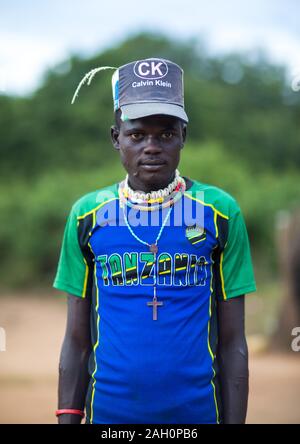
x: 156, y: 268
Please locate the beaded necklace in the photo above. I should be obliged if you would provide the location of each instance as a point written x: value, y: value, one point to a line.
x: 146, y: 204
x: 153, y: 196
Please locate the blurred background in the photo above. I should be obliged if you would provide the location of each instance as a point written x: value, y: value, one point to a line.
x: 242, y: 95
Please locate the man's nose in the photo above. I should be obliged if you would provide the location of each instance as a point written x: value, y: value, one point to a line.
x: 152, y: 145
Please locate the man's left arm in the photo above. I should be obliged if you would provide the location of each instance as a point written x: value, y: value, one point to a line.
x: 232, y: 356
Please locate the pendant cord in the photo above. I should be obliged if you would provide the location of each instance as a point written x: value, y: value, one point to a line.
x: 159, y: 233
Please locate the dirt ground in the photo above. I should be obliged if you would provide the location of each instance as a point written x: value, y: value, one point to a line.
x: 34, y: 327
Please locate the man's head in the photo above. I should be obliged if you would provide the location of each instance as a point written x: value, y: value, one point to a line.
x: 150, y: 121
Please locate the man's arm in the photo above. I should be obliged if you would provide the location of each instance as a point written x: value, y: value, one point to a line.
x: 233, y: 360
x: 73, y: 364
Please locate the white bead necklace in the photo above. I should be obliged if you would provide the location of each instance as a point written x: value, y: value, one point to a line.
x: 140, y: 197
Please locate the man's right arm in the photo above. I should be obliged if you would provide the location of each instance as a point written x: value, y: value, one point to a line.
x: 73, y: 365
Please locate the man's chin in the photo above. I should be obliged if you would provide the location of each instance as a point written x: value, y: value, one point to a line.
x: 155, y: 179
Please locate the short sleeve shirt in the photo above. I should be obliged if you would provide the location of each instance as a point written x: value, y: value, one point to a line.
x: 163, y: 370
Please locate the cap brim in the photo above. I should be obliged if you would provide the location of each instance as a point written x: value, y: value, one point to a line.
x: 138, y: 110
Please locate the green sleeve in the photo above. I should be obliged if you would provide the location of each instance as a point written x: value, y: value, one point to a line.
x: 72, y: 271
x: 236, y: 264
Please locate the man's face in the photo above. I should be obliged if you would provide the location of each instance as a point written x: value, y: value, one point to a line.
x: 150, y: 149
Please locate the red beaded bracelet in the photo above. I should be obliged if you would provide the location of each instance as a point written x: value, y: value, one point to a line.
x: 69, y: 411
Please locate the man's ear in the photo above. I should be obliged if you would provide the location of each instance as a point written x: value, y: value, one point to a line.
x: 114, y: 134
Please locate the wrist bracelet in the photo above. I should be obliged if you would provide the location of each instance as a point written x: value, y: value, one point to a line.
x: 69, y: 411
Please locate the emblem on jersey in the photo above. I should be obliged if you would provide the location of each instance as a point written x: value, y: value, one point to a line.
x: 195, y: 234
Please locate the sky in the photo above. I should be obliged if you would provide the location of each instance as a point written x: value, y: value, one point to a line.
x: 36, y: 35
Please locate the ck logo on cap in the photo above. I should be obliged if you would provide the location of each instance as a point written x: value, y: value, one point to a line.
x: 150, y: 69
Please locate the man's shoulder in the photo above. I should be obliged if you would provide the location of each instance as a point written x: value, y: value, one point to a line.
x: 219, y: 199
x: 89, y: 202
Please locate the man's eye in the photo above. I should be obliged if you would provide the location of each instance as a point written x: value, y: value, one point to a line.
x: 167, y: 135
x: 136, y: 136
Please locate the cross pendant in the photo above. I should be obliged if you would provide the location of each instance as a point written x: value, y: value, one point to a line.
x: 154, y: 304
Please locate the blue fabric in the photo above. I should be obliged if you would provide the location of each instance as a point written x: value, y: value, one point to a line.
x: 153, y: 371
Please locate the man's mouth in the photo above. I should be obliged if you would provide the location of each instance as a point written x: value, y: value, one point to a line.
x: 152, y: 163
x: 152, y: 166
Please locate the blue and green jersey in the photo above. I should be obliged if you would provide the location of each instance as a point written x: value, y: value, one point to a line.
x: 165, y: 370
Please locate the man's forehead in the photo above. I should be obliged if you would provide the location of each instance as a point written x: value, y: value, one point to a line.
x: 157, y: 120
